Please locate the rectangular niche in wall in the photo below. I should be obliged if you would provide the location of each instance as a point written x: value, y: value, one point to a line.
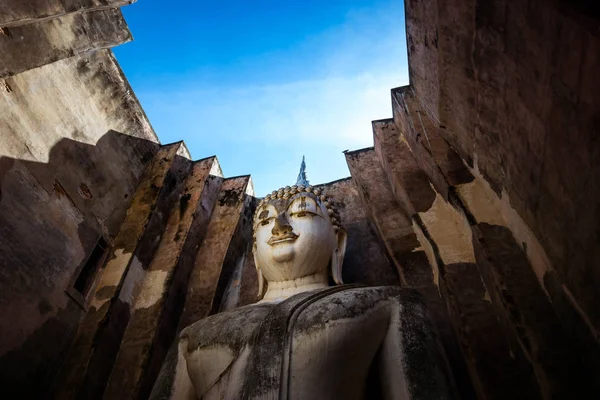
x: 83, y: 281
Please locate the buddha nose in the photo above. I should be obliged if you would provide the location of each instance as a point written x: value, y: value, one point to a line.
x: 282, y: 226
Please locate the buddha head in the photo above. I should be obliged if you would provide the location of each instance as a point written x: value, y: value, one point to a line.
x: 297, y: 234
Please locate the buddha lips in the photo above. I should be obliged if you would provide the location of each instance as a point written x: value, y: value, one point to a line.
x: 288, y: 237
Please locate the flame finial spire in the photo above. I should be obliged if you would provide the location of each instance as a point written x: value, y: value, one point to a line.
x: 302, y: 175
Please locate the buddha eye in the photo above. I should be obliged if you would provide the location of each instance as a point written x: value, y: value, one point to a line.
x: 264, y: 214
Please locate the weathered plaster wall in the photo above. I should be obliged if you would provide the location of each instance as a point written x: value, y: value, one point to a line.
x: 214, y: 263
x: 19, y: 12
x: 47, y: 230
x: 161, y: 297
x: 519, y: 95
x: 393, y: 226
x: 501, y: 117
x: 79, y: 98
x: 487, y: 259
x: 67, y: 177
x: 29, y: 46
x: 87, y: 367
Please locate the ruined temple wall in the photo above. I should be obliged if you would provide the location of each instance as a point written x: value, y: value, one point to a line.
x: 500, y: 115
x: 75, y: 143
x: 19, y: 12
x: 518, y: 100
x: 473, y: 259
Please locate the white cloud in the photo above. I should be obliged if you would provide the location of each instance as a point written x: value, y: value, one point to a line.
x: 254, y: 127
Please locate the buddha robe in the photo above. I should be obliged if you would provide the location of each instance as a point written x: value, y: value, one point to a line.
x: 343, y: 342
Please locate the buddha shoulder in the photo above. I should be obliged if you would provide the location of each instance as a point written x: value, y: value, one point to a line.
x: 356, y: 302
x: 231, y: 328
x: 234, y: 328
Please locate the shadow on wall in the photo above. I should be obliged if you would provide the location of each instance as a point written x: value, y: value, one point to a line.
x: 52, y: 217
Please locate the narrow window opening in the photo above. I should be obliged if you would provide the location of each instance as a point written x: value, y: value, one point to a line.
x: 96, y: 260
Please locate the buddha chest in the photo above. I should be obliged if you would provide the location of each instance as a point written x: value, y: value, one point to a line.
x: 319, y: 344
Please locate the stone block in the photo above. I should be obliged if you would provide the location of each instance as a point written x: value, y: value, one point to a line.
x: 438, y: 311
x: 239, y: 250
x: 457, y: 77
x: 445, y: 231
x: 573, y: 319
x: 248, y: 290
x: 34, y: 45
x: 160, y: 300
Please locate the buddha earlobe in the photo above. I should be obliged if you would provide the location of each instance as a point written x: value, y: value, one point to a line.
x: 337, y: 258
x: 261, y: 284
x: 259, y: 275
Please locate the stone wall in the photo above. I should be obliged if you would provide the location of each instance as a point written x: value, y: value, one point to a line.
x: 25, y: 47
x: 474, y: 259
x: 473, y: 156
x: 18, y: 12
x: 519, y: 98
x: 75, y: 143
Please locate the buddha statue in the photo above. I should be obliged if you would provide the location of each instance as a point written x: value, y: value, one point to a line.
x: 305, y: 339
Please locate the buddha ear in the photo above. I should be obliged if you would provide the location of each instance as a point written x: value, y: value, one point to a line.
x: 259, y: 275
x: 337, y: 258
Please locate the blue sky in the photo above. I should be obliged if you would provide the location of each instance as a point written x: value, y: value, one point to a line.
x: 260, y: 83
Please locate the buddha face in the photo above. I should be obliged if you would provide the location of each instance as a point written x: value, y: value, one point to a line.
x: 294, y: 237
